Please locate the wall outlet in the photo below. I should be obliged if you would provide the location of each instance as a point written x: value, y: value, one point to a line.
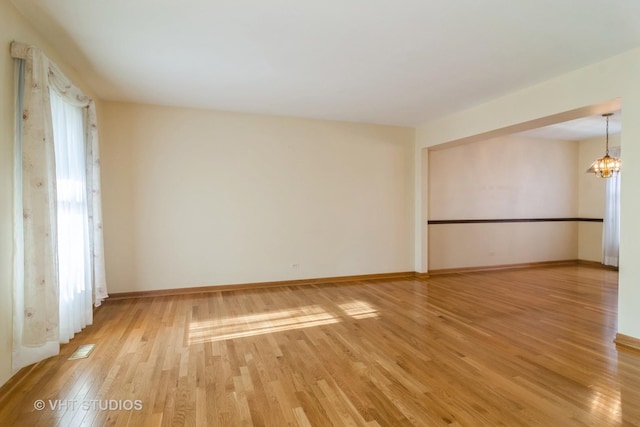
x: 294, y: 266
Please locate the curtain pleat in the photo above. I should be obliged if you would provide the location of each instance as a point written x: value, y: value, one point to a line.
x: 39, y: 207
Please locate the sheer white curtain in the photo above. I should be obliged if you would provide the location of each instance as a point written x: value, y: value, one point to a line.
x: 37, y: 324
x: 611, y: 225
x: 74, y: 266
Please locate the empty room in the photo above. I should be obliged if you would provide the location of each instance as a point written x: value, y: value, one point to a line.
x: 278, y: 213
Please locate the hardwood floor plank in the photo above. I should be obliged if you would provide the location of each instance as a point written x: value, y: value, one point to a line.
x: 514, y: 347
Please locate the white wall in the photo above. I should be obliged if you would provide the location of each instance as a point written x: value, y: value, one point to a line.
x: 198, y: 198
x: 503, y: 178
x: 12, y: 27
x: 579, y: 93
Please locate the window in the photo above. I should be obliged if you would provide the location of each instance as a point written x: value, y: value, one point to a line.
x: 611, y: 226
x: 72, y: 217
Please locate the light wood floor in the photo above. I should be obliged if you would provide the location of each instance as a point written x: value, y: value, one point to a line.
x: 515, y: 348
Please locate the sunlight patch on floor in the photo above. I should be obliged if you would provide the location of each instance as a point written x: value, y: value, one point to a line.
x: 256, y: 324
x: 248, y: 325
x: 359, y: 309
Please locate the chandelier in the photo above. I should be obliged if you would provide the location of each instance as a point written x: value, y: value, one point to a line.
x: 607, y: 166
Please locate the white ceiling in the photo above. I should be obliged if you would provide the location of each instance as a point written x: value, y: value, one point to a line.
x: 376, y: 61
x: 580, y: 129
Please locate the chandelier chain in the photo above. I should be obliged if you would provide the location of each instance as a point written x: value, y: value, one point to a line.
x: 607, y: 141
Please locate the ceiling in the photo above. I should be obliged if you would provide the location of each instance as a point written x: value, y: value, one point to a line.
x: 374, y: 61
x: 580, y: 129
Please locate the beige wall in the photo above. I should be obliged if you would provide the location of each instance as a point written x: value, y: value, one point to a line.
x: 578, y: 93
x: 496, y: 244
x: 591, y: 192
x: 197, y: 198
x: 12, y: 27
x: 506, y: 177
x: 501, y: 178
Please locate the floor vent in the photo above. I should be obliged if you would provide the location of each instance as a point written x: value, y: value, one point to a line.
x: 82, y: 352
